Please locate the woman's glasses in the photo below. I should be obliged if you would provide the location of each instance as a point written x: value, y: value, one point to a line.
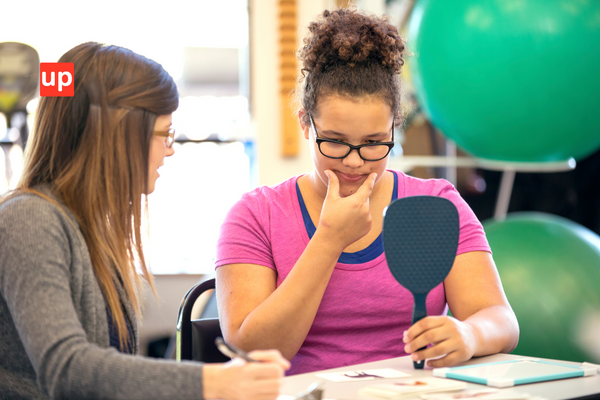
x: 168, y: 135
x: 369, y: 152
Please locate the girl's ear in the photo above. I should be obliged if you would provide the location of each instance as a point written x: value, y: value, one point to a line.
x: 301, y: 118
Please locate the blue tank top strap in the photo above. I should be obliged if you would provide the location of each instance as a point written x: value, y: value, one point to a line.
x: 373, y: 251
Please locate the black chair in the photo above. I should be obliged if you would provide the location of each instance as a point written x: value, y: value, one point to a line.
x: 196, y: 338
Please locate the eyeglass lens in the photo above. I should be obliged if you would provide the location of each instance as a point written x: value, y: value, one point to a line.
x: 340, y: 150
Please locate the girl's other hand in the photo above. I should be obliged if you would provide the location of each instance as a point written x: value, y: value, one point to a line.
x: 453, y: 341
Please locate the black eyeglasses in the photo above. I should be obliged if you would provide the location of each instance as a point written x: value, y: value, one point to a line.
x: 336, y: 149
x: 168, y: 135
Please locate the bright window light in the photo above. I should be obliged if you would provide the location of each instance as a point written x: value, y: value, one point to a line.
x: 158, y: 30
x: 202, y: 180
x: 197, y: 187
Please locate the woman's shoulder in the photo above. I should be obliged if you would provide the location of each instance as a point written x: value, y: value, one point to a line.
x: 265, y: 203
x: 34, y: 210
x: 21, y: 203
x: 281, y: 192
x: 414, y: 186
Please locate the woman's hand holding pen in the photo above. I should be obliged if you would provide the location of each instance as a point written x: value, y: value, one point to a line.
x: 345, y: 220
x: 241, y: 380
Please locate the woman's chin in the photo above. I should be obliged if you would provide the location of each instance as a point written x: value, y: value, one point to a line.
x: 348, y: 190
x: 151, y: 186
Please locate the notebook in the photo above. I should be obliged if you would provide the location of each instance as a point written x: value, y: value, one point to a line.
x: 515, y: 372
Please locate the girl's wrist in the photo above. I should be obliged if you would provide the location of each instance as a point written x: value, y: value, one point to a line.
x: 328, y: 243
x: 475, y: 339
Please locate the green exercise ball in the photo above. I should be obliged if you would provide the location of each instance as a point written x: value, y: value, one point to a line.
x: 550, y: 271
x: 513, y: 80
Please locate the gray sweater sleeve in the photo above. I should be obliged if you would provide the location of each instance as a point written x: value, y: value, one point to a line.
x: 56, y: 311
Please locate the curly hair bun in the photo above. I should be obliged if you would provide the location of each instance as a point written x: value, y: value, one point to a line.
x: 350, y: 37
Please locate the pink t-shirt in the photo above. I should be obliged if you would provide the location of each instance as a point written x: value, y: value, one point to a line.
x: 364, y: 310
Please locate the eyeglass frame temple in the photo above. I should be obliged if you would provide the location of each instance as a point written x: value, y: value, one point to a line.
x: 168, y: 134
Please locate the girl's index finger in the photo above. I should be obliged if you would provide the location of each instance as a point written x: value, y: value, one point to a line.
x: 423, y: 325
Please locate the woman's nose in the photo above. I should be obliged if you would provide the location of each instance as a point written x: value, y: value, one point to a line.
x: 353, y: 159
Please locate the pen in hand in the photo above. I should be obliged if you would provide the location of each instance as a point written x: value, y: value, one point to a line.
x: 231, y: 351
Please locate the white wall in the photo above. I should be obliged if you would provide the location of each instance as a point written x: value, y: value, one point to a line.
x: 264, y: 76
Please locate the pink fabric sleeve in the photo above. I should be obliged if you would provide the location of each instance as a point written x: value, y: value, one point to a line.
x: 472, y: 236
x: 244, y: 237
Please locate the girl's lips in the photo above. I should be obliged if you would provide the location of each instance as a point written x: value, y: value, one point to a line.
x: 350, y: 178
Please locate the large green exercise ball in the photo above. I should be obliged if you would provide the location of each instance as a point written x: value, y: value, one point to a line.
x: 514, y: 80
x: 550, y: 271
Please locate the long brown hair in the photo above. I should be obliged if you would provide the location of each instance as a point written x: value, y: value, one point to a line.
x: 93, y: 148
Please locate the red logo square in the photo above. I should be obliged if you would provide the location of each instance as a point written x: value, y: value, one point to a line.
x: 56, y: 79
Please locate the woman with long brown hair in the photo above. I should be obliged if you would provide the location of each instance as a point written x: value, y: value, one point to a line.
x: 71, y: 246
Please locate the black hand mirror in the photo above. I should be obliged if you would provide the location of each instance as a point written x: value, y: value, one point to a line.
x: 420, y: 238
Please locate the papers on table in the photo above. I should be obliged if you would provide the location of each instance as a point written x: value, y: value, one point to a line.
x: 362, y: 375
x: 411, y: 387
x: 478, y: 394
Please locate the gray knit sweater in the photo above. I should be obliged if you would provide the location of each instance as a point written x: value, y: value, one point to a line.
x: 54, y: 339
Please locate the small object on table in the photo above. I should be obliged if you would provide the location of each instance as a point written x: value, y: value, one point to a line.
x: 362, y: 375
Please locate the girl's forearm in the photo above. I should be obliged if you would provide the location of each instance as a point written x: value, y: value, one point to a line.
x: 283, y: 320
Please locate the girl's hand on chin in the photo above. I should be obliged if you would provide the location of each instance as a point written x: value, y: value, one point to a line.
x: 346, y: 219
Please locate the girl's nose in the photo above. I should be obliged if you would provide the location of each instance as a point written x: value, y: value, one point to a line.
x: 353, y: 159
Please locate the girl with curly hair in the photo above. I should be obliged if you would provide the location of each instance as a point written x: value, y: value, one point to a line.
x: 71, y: 258
x: 300, y: 265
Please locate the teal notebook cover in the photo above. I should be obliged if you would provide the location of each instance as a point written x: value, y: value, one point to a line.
x: 514, y: 372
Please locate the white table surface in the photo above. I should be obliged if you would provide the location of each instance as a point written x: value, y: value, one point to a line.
x: 559, y: 389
